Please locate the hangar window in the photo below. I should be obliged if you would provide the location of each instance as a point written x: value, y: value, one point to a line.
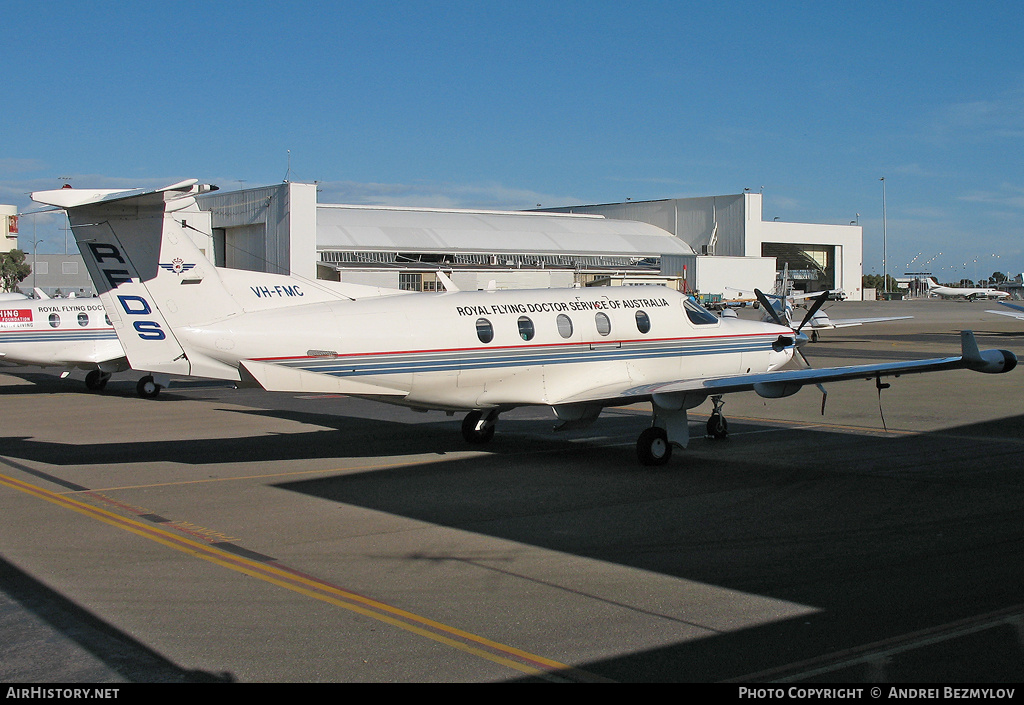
x: 484, y: 330
x: 697, y: 313
x: 564, y: 324
x: 54, y: 320
x: 525, y: 328
x: 83, y: 319
x: 604, y: 324
x: 643, y: 322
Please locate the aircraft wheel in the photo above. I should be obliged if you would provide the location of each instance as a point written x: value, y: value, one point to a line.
x: 147, y: 387
x: 470, y: 432
x: 94, y: 380
x: 653, y: 448
x: 718, y: 427
x: 814, y: 336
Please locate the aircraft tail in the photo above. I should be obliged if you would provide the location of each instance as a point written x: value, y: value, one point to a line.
x: 134, y: 246
x: 154, y: 280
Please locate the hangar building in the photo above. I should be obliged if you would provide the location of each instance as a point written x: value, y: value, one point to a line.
x: 695, y: 244
x: 819, y: 257
x: 282, y: 228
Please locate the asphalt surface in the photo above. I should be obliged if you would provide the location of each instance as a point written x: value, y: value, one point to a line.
x: 224, y: 535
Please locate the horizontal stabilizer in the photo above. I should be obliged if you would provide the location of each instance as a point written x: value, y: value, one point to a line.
x: 277, y: 378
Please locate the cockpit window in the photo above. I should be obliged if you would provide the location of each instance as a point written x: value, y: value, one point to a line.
x: 698, y: 314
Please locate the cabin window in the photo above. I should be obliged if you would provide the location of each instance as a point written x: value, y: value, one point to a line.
x: 525, y: 328
x: 484, y: 330
x: 106, y: 318
x: 83, y: 319
x: 54, y: 320
x: 564, y: 324
x: 698, y: 314
x: 643, y: 322
x: 604, y: 324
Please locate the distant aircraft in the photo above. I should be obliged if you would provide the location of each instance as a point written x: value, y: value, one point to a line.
x: 1017, y: 312
x: 968, y: 293
x: 69, y: 333
x: 784, y: 307
x: 481, y: 352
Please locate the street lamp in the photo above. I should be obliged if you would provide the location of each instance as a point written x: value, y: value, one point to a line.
x: 885, y: 269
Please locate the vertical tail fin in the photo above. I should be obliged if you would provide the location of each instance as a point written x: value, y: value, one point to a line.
x: 140, y: 258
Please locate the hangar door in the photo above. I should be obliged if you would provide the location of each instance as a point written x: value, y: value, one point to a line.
x: 245, y: 247
x: 811, y: 267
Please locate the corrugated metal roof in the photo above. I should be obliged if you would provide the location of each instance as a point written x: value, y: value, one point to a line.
x: 366, y: 228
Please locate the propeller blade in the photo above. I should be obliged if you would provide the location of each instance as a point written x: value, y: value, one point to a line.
x: 768, y: 307
x: 818, y: 302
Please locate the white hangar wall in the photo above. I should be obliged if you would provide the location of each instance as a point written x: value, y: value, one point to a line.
x: 282, y: 228
x: 825, y: 256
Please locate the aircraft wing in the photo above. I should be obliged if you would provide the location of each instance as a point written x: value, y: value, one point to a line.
x: 848, y: 322
x: 785, y: 382
x: 1016, y: 312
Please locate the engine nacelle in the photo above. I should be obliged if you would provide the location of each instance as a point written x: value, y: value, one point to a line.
x: 994, y: 362
x: 777, y: 390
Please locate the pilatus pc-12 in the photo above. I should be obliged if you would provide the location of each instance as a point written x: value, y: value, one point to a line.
x: 575, y: 350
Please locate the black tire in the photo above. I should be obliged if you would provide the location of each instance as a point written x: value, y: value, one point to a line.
x: 96, y: 380
x: 653, y: 448
x: 147, y: 387
x: 469, y: 431
x: 718, y: 427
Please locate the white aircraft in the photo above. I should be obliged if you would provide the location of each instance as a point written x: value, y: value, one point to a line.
x: 69, y: 333
x: 966, y: 292
x: 1017, y: 312
x: 482, y: 352
x: 784, y: 307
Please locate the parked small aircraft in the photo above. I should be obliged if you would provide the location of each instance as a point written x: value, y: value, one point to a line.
x: 820, y: 320
x: 968, y: 293
x: 482, y: 352
x: 70, y: 333
x: 784, y: 307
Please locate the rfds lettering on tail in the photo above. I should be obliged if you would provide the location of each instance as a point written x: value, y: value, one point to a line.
x: 577, y: 351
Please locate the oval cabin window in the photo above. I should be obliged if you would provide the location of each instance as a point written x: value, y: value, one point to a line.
x: 484, y: 330
x: 564, y: 324
x: 643, y: 322
x: 604, y: 324
x: 525, y: 328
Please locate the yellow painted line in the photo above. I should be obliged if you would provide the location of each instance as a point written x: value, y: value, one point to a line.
x: 482, y: 647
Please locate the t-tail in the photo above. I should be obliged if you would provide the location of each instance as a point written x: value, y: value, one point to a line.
x: 154, y: 280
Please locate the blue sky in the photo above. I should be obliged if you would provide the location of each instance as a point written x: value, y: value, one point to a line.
x: 511, y: 104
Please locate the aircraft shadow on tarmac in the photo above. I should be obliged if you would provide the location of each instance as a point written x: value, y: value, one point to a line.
x: 877, y: 536
x: 39, y: 621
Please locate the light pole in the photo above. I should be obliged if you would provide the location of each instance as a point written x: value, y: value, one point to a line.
x: 885, y: 269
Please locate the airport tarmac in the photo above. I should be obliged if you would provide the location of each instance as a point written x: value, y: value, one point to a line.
x: 215, y: 534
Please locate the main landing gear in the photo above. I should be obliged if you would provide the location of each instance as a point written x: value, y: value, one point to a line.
x: 670, y: 428
x: 478, y: 428
x: 95, y: 381
x: 147, y: 387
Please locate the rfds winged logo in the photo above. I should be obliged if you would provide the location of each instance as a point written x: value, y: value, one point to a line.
x: 177, y: 266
